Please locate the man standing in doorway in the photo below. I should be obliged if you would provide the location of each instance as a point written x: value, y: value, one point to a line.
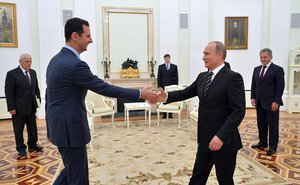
x: 167, y: 75
x: 266, y: 93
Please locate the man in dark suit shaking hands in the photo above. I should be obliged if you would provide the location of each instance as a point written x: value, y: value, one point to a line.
x: 68, y: 78
x: 167, y: 75
x: 221, y: 109
x: 266, y: 93
x: 22, y: 93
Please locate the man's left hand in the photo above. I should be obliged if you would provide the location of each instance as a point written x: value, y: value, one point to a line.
x: 215, y: 144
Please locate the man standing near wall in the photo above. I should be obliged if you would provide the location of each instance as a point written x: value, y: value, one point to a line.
x: 266, y: 95
x: 167, y: 75
x: 22, y: 93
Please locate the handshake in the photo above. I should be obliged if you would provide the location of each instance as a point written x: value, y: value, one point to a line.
x: 151, y: 96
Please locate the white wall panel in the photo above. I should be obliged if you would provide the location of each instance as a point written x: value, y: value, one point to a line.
x: 199, y: 35
x: 86, y: 10
x: 279, y: 32
x: 50, y: 36
x: 242, y: 61
x: 10, y: 56
x: 169, y: 28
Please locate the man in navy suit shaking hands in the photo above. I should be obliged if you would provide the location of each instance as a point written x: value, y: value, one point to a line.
x: 68, y: 78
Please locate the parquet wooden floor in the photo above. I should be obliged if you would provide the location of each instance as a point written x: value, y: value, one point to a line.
x: 42, y: 165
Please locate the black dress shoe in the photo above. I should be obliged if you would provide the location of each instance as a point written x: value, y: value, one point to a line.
x: 270, y: 152
x: 22, y: 153
x: 259, y: 146
x: 37, y: 147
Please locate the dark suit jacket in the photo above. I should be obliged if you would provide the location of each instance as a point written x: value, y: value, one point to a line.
x: 270, y: 89
x: 167, y: 77
x: 68, y: 79
x: 21, y: 95
x: 227, y: 65
x: 220, y: 112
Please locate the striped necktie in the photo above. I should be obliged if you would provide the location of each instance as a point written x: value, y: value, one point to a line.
x: 207, y: 82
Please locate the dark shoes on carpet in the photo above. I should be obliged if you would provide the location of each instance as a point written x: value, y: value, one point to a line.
x: 22, y: 153
x: 37, y: 147
x: 262, y: 147
x: 259, y: 146
x: 270, y: 152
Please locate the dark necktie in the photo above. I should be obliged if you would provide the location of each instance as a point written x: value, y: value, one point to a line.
x: 207, y: 82
x: 27, y: 77
x: 261, y: 76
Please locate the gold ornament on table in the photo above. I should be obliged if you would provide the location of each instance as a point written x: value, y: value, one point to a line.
x: 130, y: 69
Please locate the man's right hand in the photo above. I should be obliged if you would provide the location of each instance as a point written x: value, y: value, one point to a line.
x: 148, y: 94
x: 253, y: 102
x: 12, y: 112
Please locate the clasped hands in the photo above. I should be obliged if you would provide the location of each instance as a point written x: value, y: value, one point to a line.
x: 153, y: 97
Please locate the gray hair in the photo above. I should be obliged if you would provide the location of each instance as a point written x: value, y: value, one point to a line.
x: 220, y: 47
x: 268, y: 50
x: 25, y: 55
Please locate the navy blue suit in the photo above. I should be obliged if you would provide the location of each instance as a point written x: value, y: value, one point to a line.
x: 265, y: 92
x: 167, y: 77
x: 68, y: 80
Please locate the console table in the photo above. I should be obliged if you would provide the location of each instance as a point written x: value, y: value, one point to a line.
x: 137, y: 106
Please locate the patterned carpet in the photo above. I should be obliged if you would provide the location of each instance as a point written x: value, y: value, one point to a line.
x: 157, y: 155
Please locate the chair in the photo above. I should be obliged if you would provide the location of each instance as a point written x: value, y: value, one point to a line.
x: 193, y: 116
x: 98, y: 105
x: 175, y: 107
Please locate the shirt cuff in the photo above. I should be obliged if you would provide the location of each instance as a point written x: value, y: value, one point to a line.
x: 140, y: 93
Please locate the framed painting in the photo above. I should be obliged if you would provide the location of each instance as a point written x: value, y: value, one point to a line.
x: 8, y: 25
x: 236, y: 32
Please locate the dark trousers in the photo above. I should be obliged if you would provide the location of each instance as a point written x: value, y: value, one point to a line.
x: 19, y: 123
x: 164, y: 114
x: 224, y: 165
x: 268, y: 121
x: 76, y: 167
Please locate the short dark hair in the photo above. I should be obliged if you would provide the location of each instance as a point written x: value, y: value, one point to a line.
x: 268, y: 50
x: 74, y: 25
x: 167, y: 55
x: 221, y: 47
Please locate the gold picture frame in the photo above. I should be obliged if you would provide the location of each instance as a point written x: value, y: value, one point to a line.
x: 236, y: 32
x: 8, y: 25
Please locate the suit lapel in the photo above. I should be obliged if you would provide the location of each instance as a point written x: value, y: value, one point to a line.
x: 215, y: 81
x: 269, y: 71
